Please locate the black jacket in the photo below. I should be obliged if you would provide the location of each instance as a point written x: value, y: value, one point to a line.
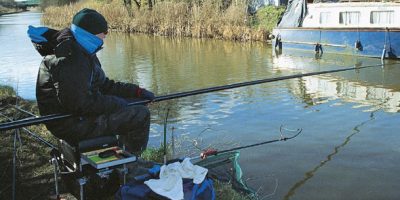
x: 72, y: 81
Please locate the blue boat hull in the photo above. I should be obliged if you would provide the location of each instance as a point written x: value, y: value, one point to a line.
x: 373, y: 42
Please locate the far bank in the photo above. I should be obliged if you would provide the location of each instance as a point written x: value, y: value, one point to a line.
x: 7, y: 10
x: 198, y: 19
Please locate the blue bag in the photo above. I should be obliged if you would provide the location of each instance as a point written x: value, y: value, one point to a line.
x: 137, y: 190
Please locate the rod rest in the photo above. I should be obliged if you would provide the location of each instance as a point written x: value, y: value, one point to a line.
x: 85, y: 178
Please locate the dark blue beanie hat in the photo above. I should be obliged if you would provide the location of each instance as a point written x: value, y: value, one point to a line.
x: 90, y: 20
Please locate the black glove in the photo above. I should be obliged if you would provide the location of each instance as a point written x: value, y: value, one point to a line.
x: 145, y: 94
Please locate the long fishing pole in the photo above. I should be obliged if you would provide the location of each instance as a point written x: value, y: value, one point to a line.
x: 34, y: 135
x: 47, y: 118
x: 212, y: 152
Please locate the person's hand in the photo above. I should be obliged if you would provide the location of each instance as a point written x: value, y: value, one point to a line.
x: 145, y: 94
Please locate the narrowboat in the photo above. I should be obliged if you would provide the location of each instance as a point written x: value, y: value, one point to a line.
x: 357, y: 28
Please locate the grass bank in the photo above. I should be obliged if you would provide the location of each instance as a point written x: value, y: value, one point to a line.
x: 177, y: 18
x: 34, y: 174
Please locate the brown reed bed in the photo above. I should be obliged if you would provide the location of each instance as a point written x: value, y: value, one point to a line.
x: 8, y: 10
x: 206, y: 19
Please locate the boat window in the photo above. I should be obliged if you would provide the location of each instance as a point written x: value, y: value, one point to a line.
x: 382, y: 17
x: 347, y: 18
x: 324, y: 17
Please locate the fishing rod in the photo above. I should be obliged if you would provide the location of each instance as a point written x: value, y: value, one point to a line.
x: 52, y: 117
x: 34, y: 135
x: 212, y: 152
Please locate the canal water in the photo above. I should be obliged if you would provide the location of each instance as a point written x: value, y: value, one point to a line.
x: 350, y: 144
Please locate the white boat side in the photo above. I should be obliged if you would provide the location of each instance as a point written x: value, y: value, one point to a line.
x: 353, y: 15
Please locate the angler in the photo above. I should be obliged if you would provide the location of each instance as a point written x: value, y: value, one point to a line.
x: 71, y: 80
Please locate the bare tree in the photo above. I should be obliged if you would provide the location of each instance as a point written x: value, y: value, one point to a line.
x: 147, y: 3
x: 128, y: 3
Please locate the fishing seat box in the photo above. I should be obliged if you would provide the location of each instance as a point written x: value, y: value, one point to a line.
x: 86, y: 179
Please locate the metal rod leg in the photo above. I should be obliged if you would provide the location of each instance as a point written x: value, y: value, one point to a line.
x: 82, y: 182
x: 54, y: 160
x: 14, y: 171
x: 124, y: 171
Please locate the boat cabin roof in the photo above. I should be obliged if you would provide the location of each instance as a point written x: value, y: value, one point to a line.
x: 349, y: 1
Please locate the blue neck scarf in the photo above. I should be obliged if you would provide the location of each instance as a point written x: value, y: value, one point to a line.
x: 88, y: 41
x: 36, y: 34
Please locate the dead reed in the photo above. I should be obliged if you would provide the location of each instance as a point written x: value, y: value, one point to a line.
x: 176, y: 18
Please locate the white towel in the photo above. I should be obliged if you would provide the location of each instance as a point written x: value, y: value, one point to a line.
x: 170, y: 182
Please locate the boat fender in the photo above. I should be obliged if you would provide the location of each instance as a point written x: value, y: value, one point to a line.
x: 271, y: 36
x: 318, y: 48
x: 358, y: 45
x: 383, y: 52
x: 278, y: 41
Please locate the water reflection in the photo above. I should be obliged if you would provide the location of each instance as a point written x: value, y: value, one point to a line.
x: 366, y: 87
x: 168, y: 66
x: 19, y: 60
x: 309, y: 174
x: 182, y: 63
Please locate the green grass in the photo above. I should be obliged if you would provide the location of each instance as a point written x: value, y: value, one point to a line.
x: 224, y: 191
x: 267, y: 17
x: 154, y: 154
x: 6, y: 91
x: 34, y: 173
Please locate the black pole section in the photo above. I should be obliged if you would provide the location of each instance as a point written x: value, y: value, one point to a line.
x: 24, y: 111
x: 40, y: 139
x: 37, y: 137
x: 39, y: 120
x: 261, y: 143
x: 212, y: 152
x: 32, y: 121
